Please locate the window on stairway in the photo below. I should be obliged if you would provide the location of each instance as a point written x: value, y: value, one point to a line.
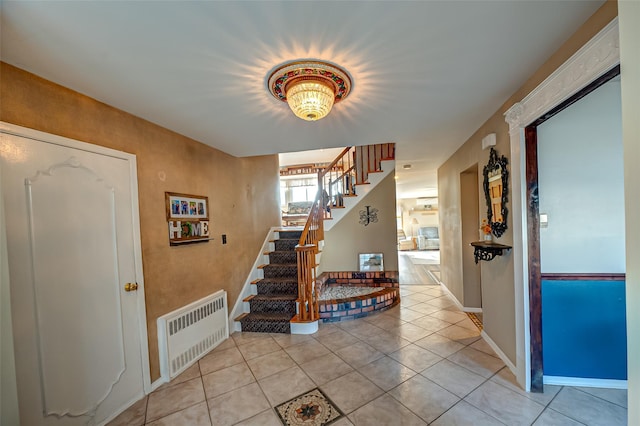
x: 297, y: 189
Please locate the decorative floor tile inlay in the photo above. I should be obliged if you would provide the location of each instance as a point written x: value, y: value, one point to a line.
x: 312, y: 408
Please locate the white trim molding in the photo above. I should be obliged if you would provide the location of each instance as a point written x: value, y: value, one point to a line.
x: 498, y: 351
x: 584, y: 382
x: 304, y: 327
x: 596, y: 57
x: 457, y: 302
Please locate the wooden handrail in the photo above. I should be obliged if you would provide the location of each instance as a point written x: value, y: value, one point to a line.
x: 346, y: 172
x: 335, y: 182
x: 306, y: 251
x: 334, y: 162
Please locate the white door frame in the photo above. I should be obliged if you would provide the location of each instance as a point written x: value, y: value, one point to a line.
x: 25, y: 132
x: 596, y: 57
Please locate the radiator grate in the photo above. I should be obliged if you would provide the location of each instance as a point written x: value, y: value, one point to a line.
x: 188, y: 333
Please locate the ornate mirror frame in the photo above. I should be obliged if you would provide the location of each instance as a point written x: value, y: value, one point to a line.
x: 496, y: 168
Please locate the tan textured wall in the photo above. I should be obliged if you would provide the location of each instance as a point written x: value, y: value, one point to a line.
x: 497, y: 276
x: 469, y: 202
x: 243, y: 192
x: 347, y: 238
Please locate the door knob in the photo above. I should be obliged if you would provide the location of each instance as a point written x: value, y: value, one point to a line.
x: 130, y: 286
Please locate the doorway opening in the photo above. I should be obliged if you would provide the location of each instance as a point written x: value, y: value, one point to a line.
x: 470, y: 223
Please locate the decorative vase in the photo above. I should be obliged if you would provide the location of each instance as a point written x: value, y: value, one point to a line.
x: 488, y: 237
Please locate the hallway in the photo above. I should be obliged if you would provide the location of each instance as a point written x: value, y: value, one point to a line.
x: 420, y: 363
x: 419, y: 267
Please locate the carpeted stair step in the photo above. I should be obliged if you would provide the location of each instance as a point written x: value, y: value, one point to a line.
x: 282, y: 257
x: 271, y: 310
x: 280, y: 270
x: 286, y: 245
x: 262, y: 322
x: 285, y: 303
x: 290, y: 235
x: 273, y: 286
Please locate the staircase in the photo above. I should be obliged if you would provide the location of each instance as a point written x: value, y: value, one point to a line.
x: 286, y: 292
x: 273, y: 307
x: 358, y: 168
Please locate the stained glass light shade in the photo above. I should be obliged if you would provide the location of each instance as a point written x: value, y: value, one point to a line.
x: 309, y: 87
x: 310, y: 100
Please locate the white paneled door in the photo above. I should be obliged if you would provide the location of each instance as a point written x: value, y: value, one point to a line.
x: 74, y: 262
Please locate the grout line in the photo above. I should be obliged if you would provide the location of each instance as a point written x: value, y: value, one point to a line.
x: 596, y: 396
x: 146, y: 407
x: 352, y: 331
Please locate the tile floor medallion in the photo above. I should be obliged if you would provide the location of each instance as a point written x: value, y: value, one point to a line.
x: 312, y: 408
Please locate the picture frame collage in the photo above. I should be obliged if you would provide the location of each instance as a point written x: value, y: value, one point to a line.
x: 187, y: 217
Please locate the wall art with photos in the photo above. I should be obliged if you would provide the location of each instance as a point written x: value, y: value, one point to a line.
x: 188, y: 218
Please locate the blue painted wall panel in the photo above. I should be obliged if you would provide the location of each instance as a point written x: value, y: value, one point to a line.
x: 584, y: 329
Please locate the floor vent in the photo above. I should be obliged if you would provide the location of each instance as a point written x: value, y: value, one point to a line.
x: 188, y: 333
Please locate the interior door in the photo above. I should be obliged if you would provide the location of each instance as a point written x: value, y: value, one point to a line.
x: 71, y: 247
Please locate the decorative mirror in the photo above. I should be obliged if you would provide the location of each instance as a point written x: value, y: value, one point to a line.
x: 496, y: 188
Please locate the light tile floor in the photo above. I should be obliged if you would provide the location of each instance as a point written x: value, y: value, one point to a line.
x: 422, y: 362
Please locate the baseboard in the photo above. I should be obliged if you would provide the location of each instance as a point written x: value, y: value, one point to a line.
x: 254, y: 273
x: 585, y: 382
x: 155, y: 385
x: 457, y: 302
x: 499, y: 352
x: 304, y: 327
x: 433, y: 277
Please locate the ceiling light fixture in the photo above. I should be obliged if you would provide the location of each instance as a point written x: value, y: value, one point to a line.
x: 309, y: 87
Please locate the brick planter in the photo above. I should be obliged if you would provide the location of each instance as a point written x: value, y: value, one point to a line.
x: 359, y: 306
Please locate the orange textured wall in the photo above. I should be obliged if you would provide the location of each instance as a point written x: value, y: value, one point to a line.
x: 243, y: 192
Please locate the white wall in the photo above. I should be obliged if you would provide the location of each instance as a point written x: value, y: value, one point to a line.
x: 630, y: 66
x: 581, y: 186
x: 9, y: 414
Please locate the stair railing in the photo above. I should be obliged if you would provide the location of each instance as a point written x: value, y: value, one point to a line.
x: 306, y: 252
x: 336, y: 181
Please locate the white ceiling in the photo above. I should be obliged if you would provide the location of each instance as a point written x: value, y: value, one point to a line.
x: 426, y: 74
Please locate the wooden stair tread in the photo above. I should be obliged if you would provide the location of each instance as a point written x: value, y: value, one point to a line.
x: 295, y: 265
x: 242, y: 316
x: 278, y: 279
x: 276, y: 251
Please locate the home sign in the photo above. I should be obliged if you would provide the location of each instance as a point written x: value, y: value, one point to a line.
x: 187, y: 217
